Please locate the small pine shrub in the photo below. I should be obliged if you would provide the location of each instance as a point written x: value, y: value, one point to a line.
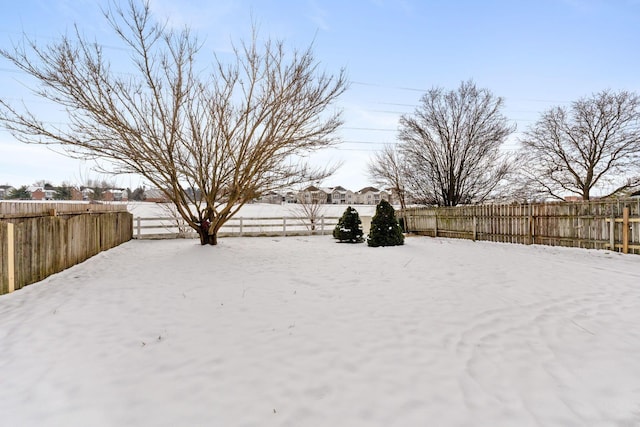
x: 385, y: 230
x: 349, y: 228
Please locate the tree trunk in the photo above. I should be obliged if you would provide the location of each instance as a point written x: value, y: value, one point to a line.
x: 585, y: 194
x: 208, y: 239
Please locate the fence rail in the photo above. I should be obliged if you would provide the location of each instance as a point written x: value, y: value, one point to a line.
x: 172, y: 227
x: 33, y: 247
x: 25, y: 209
x: 595, y: 224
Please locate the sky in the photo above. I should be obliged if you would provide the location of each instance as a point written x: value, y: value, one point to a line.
x: 535, y: 54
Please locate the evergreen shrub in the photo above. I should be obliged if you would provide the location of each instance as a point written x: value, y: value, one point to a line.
x: 349, y: 227
x: 385, y: 230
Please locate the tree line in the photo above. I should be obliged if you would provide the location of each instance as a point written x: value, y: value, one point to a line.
x: 449, y: 149
x: 214, y: 135
x: 66, y: 192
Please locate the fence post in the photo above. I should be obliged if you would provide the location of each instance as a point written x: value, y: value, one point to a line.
x: 435, y: 233
x: 612, y: 232
x: 241, y: 224
x: 475, y: 228
x: 530, y: 225
x: 138, y: 227
x: 625, y: 230
x: 284, y: 226
x: 11, y: 265
x: 322, y: 225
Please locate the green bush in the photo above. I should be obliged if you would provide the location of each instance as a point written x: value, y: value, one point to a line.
x: 349, y: 228
x: 385, y: 230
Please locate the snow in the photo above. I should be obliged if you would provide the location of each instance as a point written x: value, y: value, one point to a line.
x: 253, y: 210
x: 304, y: 331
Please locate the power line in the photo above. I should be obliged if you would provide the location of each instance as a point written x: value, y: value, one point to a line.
x: 30, y: 36
x: 367, y: 142
x: 10, y: 70
x: 354, y: 82
x: 372, y: 129
x: 353, y: 149
x: 398, y: 104
x: 388, y: 87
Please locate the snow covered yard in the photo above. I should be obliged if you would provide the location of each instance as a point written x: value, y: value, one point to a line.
x: 308, y: 332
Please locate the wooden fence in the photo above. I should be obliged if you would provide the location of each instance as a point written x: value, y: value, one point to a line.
x: 170, y: 227
x: 48, y: 239
x: 36, y: 209
x: 593, y: 224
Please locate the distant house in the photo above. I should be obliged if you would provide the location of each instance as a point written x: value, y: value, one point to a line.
x: 87, y: 193
x: 155, y: 195
x: 291, y: 197
x: 76, y: 194
x: 372, y: 196
x: 41, y: 193
x: 115, y: 195
x: 312, y: 194
x: 272, y: 197
x: 37, y: 193
x: 578, y: 198
x: 340, y: 196
x: 572, y: 198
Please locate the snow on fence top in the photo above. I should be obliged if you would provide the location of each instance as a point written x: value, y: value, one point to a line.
x: 25, y: 209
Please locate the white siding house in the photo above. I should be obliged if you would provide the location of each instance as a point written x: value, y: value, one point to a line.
x: 372, y: 196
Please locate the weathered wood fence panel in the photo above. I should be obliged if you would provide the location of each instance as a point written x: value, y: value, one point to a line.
x: 6, y: 269
x: 26, y: 209
x: 592, y: 224
x: 44, y: 245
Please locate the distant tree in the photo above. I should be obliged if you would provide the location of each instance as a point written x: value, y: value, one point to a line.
x: 311, y: 205
x: 594, y: 142
x: 210, y: 141
x: 21, y: 193
x: 97, y: 193
x: 451, y: 146
x: 385, y: 230
x: 388, y: 169
x: 349, y: 227
x: 44, y: 184
x: 62, y: 193
x: 136, y: 195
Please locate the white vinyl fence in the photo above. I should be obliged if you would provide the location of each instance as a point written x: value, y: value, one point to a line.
x: 171, y: 227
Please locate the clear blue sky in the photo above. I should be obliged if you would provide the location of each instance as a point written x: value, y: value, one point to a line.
x: 534, y: 53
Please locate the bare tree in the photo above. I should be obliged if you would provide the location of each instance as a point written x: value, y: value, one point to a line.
x: 175, y: 221
x: 311, y: 203
x: 594, y: 143
x: 209, y: 141
x: 451, y: 145
x: 387, y: 169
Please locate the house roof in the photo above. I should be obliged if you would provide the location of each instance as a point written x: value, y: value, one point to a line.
x: 154, y: 193
x: 369, y: 189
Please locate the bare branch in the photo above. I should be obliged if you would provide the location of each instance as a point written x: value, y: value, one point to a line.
x: 451, y: 146
x: 387, y: 168
x: 593, y: 144
x: 211, y: 142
